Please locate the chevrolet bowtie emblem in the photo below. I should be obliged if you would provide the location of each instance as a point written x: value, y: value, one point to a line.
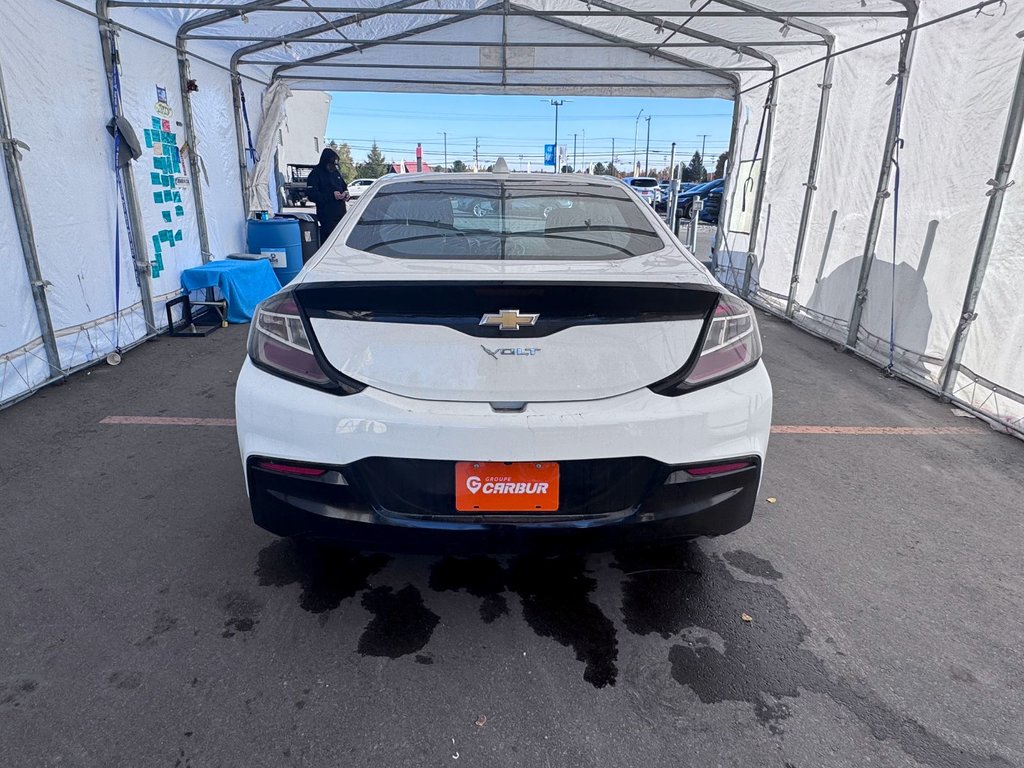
x: 508, y: 319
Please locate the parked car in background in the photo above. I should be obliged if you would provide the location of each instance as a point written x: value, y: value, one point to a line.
x: 356, y: 187
x: 666, y: 191
x: 710, y: 192
x: 430, y: 377
x: 646, y: 186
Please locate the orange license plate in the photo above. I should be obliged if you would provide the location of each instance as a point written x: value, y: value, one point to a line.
x: 496, y: 486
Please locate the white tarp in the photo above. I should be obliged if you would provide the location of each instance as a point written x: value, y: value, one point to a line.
x: 956, y: 103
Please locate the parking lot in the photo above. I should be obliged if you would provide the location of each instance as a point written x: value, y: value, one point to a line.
x: 146, y: 622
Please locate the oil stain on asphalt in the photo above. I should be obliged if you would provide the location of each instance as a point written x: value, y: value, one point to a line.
x: 670, y: 589
x: 667, y: 592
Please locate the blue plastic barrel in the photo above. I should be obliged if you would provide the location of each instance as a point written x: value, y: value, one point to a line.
x: 281, y: 241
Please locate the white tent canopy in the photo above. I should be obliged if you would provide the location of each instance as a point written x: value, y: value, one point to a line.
x: 869, y: 195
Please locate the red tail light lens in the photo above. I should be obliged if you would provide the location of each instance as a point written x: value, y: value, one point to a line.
x: 710, y: 470
x: 279, y: 343
x: 291, y: 469
x: 733, y: 343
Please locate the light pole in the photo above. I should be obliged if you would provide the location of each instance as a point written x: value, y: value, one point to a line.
x: 647, y: 152
x: 703, y: 143
x: 583, y: 149
x: 613, y: 159
x: 556, y: 103
x: 574, y: 151
x: 636, y: 127
x: 445, y: 134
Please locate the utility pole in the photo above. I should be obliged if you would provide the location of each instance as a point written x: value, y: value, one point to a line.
x: 556, y: 103
x: 520, y: 161
x: 613, y: 153
x: 636, y: 127
x: 445, y: 134
x: 583, y: 149
x: 476, y: 155
x: 703, y: 143
x: 647, y: 152
x: 574, y: 151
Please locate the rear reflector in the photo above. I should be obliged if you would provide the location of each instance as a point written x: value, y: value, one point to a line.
x: 682, y: 475
x: 291, y: 469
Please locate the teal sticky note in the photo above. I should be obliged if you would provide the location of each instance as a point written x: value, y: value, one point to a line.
x: 154, y: 178
x: 167, y: 216
x: 165, y: 180
x: 177, y: 236
x: 177, y: 167
x: 179, y: 210
x: 156, y: 244
x: 158, y: 197
x: 156, y: 123
x: 163, y: 234
x: 177, y: 197
x: 168, y: 196
x: 149, y: 138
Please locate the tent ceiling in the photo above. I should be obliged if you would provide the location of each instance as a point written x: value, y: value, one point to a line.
x: 618, y: 47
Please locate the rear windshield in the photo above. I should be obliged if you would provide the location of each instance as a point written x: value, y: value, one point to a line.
x: 644, y: 182
x: 491, y: 219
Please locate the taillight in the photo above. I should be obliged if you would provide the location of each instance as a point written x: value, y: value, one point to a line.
x: 731, y: 345
x: 279, y: 343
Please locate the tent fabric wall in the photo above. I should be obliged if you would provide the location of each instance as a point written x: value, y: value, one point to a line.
x: 71, y: 191
x: 956, y: 99
x: 23, y: 362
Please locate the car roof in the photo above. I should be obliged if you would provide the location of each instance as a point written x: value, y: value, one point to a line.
x: 564, y: 179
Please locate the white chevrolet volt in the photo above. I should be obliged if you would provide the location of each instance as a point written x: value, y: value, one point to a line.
x: 560, y: 367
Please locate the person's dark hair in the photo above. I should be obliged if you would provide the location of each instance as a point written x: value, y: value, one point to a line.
x: 328, y: 158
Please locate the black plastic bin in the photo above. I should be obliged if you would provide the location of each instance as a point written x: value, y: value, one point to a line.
x: 309, y: 230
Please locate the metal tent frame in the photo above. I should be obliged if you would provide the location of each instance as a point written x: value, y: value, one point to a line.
x: 673, y: 40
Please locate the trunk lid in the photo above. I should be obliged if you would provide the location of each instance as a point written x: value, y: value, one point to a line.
x: 507, y: 341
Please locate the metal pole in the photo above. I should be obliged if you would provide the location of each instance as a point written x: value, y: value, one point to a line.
x: 193, y: 154
x: 23, y: 221
x: 636, y: 128
x: 812, y: 181
x: 695, y: 208
x: 762, y: 179
x: 673, y: 188
x: 243, y: 166
x: 445, y: 134
x: 1000, y: 183
x: 613, y: 156
x: 647, y: 152
x: 574, y: 151
x: 875, y: 222
x: 724, y: 210
x: 141, y: 263
x: 583, y: 148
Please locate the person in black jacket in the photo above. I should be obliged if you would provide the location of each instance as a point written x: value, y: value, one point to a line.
x: 327, y: 188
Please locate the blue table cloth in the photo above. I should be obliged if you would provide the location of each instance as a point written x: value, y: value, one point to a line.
x: 243, y: 284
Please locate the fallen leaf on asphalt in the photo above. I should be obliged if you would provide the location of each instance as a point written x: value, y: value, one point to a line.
x: 481, y: 721
x: 746, y: 617
x: 772, y: 499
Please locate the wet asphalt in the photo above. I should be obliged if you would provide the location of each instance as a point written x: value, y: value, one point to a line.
x: 144, y: 621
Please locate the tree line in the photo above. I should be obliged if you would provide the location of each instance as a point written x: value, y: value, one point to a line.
x: 376, y: 165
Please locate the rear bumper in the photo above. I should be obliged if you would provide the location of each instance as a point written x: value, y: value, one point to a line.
x: 284, y: 421
x: 328, y: 508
